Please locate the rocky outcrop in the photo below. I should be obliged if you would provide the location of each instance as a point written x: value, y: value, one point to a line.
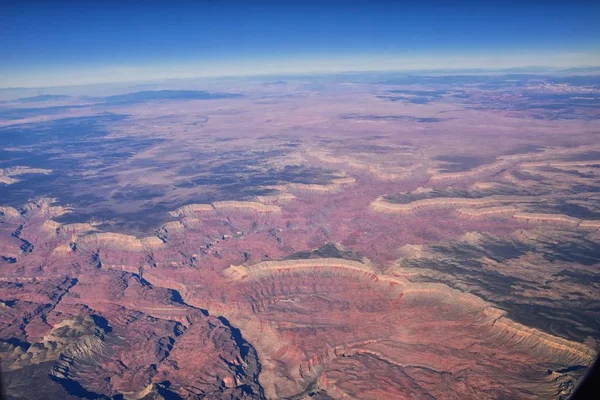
x: 9, y: 212
x: 540, y: 217
x: 7, y: 174
x: 556, y: 219
x: 67, y: 229
x: 549, y: 347
x: 382, y: 205
x: 592, y: 224
x: 276, y: 198
x: 497, y: 166
x: 559, y: 164
x: 117, y: 241
x: 191, y: 210
x: 379, y: 172
x: 487, y: 211
x: 323, y: 265
x: 246, y: 206
x: 79, y: 337
x: 43, y: 207
x: 335, y: 186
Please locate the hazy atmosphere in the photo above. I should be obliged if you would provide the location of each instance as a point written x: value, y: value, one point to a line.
x: 299, y: 200
x: 52, y: 43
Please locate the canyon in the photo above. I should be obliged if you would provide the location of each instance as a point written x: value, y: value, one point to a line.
x: 295, y: 242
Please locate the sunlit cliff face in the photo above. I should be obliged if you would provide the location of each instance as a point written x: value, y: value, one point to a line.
x: 398, y: 239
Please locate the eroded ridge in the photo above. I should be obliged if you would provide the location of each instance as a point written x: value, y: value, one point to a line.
x: 193, y: 210
x: 558, y: 188
x: 246, y: 205
x: 276, y: 198
x: 522, y: 273
x: 336, y: 185
x: 382, y: 205
x: 497, y: 166
x: 373, y: 165
x: 486, y: 329
x: 118, y: 241
x: 7, y: 175
x: 515, y: 213
x: 546, y: 158
x: 326, y: 265
x: 487, y: 211
x: 557, y: 218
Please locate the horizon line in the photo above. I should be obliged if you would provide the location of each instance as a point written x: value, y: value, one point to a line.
x: 532, y: 69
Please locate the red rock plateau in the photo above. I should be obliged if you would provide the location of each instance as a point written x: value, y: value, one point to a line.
x: 334, y: 251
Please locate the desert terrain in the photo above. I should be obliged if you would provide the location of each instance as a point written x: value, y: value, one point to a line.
x: 364, y: 236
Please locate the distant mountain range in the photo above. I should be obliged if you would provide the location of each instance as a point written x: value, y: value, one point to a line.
x: 43, y: 97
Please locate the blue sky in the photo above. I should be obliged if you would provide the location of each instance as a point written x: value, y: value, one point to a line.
x: 54, y: 42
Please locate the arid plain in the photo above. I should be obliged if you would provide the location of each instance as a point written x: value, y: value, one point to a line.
x: 352, y: 237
